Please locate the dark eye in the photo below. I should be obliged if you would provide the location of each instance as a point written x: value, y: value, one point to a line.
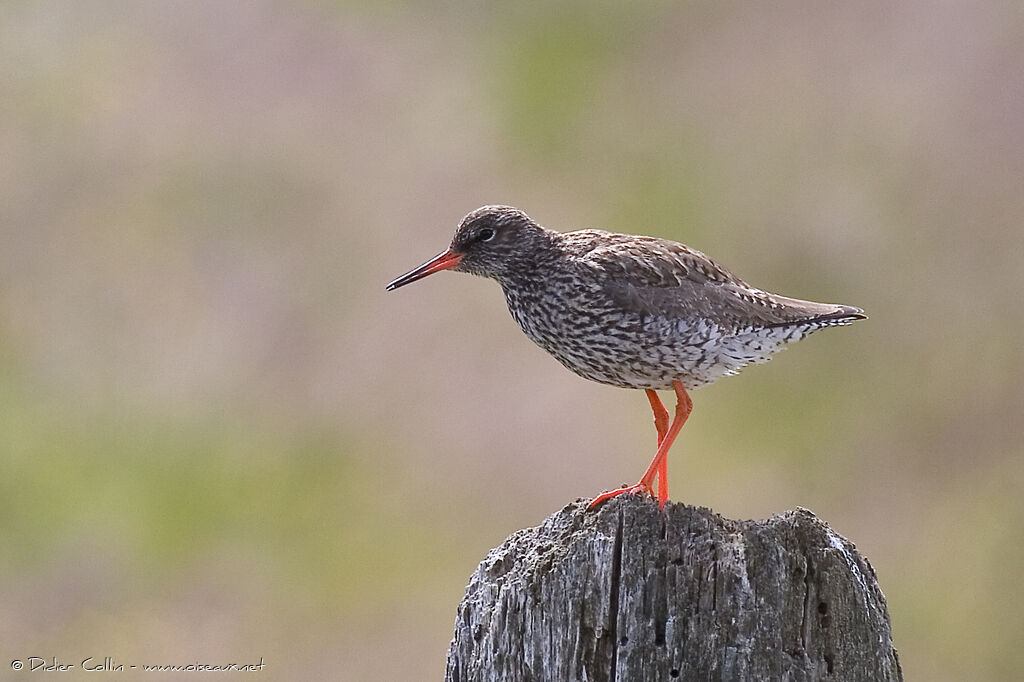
x: 486, y: 234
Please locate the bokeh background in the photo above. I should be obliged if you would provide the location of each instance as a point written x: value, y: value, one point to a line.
x: 222, y: 441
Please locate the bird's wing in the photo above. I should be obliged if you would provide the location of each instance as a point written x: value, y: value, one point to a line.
x: 646, y: 261
x: 662, y: 278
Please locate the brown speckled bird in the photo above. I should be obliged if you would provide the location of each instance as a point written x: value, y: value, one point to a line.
x: 630, y: 311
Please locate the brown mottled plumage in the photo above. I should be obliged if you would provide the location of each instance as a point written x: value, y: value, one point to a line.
x: 630, y: 311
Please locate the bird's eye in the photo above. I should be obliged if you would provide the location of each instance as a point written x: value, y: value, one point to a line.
x: 486, y: 234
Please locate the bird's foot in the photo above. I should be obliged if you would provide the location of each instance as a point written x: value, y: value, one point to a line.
x: 639, y: 488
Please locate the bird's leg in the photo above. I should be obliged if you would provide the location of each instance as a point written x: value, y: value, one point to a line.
x: 661, y: 424
x: 659, y: 467
x: 684, y: 406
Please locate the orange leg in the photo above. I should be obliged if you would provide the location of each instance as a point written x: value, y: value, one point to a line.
x: 659, y: 464
x: 661, y: 424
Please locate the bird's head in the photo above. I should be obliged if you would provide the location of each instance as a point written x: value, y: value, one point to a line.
x: 492, y: 241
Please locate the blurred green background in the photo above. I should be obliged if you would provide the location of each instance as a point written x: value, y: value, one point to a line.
x: 221, y: 440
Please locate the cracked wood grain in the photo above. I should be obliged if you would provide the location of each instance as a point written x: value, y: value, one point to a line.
x: 631, y: 593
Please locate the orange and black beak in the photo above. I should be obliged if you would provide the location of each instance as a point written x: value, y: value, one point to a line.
x: 442, y: 261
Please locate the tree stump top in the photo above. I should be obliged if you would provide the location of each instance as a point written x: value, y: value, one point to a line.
x: 631, y: 592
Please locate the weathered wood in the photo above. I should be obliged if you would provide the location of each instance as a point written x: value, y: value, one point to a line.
x: 633, y: 594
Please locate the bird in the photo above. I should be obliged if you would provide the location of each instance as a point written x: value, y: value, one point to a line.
x: 629, y: 311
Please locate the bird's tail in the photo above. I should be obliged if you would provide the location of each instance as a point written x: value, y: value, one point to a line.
x: 820, y: 314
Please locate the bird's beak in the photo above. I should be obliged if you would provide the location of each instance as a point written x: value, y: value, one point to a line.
x: 442, y: 261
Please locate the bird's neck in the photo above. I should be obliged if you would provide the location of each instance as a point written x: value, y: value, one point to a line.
x: 531, y: 267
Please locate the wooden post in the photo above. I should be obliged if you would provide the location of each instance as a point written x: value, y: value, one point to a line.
x: 635, y: 594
